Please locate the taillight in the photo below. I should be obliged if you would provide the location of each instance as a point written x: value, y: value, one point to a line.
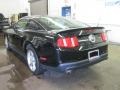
x: 103, y: 37
x: 67, y: 42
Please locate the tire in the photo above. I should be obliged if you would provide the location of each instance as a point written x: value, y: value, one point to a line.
x: 7, y: 43
x: 33, y: 61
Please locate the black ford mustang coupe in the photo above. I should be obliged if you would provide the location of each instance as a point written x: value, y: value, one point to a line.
x: 57, y: 43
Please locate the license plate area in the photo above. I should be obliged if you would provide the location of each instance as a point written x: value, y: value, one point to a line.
x: 92, y: 55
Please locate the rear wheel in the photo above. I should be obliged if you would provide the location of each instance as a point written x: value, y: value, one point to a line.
x: 33, y: 61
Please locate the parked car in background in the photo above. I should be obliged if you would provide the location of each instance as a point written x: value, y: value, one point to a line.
x: 3, y: 21
x: 55, y: 42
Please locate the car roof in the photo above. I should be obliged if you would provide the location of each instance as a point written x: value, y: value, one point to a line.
x: 33, y: 16
x: 37, y: 16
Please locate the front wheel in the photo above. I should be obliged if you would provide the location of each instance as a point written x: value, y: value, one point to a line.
x: 7, y: 43
x: 33, y: 61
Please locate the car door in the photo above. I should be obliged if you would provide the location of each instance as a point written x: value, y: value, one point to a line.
x: 19, y: 36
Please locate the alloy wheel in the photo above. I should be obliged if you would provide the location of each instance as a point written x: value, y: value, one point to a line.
x: 31, y: 60
x: 6, y: 42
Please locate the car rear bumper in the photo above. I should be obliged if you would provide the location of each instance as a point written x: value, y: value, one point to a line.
x: 79, y: 64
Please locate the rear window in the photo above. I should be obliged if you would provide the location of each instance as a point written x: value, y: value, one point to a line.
x: 56, y: 23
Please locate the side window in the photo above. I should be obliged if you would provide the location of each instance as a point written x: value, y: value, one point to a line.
x: 21, y: 24
x: 33, y: 25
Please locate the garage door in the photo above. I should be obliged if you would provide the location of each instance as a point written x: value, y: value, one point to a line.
x: 39, y: 7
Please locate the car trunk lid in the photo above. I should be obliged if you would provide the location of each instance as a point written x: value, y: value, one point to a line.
x: 88, y: 37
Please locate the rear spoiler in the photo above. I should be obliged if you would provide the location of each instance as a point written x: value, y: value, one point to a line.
x: 76, y: 29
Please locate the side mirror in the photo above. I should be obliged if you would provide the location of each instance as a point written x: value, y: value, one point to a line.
x: 15, y: 27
